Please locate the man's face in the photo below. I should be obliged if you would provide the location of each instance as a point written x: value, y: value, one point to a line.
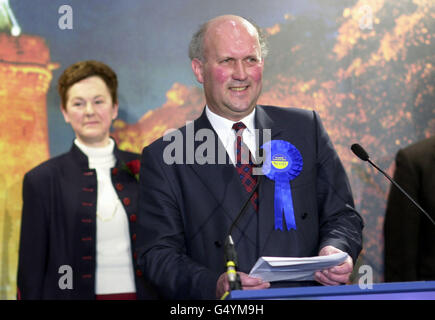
x: 232, y: 70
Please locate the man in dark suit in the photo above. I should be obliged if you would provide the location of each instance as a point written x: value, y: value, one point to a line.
x: 186, y: 208
x: 409, y: 235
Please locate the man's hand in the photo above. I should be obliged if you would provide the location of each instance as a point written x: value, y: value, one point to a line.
x: 248, y: 283
x: 336, y: 275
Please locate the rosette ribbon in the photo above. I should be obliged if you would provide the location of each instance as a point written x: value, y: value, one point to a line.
x: 283, y: 163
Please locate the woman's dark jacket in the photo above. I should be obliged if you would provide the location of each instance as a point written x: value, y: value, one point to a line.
x: 58, y: 227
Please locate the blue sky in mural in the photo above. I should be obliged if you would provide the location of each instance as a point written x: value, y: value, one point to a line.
x: 144, y: 41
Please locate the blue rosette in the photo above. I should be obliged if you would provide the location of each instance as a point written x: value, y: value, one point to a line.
x: 283, y: 163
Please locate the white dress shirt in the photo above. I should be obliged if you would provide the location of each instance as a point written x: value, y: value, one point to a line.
x: 227, y: 135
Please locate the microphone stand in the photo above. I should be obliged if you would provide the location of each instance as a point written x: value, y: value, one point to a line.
x: 403, y: 191
x: 363, y: 155
x: 230, y: 251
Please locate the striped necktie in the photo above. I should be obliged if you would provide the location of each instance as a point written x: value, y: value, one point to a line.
x: 244, y: 163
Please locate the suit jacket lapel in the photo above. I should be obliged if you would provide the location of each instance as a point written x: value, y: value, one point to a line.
x: 222, y: 180
x: 266, y: 217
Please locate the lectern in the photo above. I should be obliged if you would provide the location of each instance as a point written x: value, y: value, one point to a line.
x: 420, y: 290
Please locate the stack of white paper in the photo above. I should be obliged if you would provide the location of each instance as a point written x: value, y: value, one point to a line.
x: 294, y: 269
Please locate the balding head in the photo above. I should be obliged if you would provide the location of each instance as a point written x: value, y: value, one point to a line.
x: 197, y: 44
x: 230, y: 66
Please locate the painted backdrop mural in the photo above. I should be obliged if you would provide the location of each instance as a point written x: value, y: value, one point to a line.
x: 367, y: 67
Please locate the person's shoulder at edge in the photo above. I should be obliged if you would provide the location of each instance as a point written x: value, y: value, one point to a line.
x: 47, y: 166
x: 286, y: 110
x: 128, y: 155
x: 421, y: 147
x: 282, y: 115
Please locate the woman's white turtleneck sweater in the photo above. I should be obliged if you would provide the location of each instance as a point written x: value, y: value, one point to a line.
x: 114, y: 267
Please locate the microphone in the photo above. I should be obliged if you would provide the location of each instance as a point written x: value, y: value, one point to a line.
x: 360, y: 152
x: 363, y: 155
x: 231, y: 264
x: 230, y: 252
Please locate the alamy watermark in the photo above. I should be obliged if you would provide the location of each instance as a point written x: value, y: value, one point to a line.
x: 65, y: 21
x: 366, y: 20
x: 366, y: 277
x: 365, y: 281
x: 200, y: 148
x: 66, y: 280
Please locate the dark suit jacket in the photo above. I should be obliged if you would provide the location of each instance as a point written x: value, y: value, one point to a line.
x: 185, y: 210
x: 409, y: 234
x: 58, y: 225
